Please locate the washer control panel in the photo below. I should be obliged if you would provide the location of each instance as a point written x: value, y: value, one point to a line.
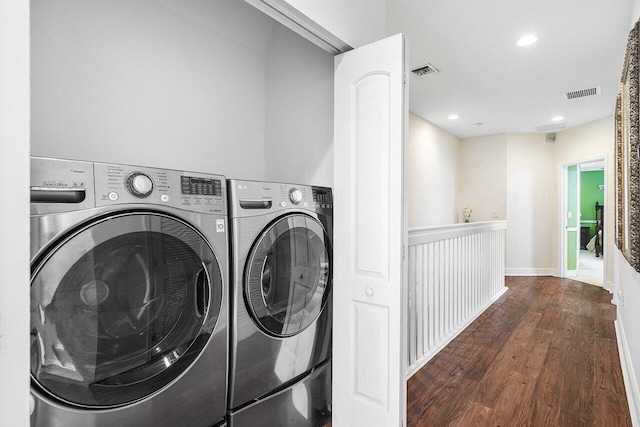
x: 118, y: 184
x: 250, y: 198
x: 295, y: 196
x: 139, y: 184
x: 61, y: 185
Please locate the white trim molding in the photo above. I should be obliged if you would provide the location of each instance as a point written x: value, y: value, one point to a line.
x: 608, y: 285
x: 531, y: 272
x: 295, y: 20
x: 630, y: 383
x: 14, y: 211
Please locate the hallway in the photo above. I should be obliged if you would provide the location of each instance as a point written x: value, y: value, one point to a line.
x: 590, y: 268
x: 545, y: 354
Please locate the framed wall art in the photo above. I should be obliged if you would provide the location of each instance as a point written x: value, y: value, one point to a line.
x: 619, y: 199
x: 627, y: 156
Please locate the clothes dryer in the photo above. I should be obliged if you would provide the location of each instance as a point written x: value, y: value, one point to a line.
x: 280, y: 366
x: 128, y: 295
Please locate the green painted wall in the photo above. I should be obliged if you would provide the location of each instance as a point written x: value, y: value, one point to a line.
x: 589, y: 194
x: 572, y: 207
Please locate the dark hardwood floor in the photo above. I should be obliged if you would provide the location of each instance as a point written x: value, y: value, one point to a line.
x: 545, y: 354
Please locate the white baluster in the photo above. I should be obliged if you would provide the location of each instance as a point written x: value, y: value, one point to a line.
x: 455, y: 273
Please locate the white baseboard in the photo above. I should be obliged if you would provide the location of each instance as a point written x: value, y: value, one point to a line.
x: 531, y: 272
x: 615, y: 298
x: 630, y: 383
x: 608, y: 286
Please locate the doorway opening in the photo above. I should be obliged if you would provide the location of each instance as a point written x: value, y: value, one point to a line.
x: 583, y: 220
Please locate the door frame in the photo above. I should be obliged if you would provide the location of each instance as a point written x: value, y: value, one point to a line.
x: 14, y: 228
x: 562, y: 209
x: 290, y: 17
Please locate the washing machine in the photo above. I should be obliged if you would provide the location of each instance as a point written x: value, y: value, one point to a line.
x: 281, y: 311
x: 129, y: 290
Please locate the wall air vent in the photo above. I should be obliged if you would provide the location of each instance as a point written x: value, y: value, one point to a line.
x: 592, y: 91
x: 551, y: 127
x: 425, y: 71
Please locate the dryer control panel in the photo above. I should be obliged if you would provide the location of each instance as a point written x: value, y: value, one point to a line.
x: 118, y: 184
x: 249, y: 198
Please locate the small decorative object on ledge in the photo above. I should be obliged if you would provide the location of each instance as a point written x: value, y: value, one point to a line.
x: 466, y: 214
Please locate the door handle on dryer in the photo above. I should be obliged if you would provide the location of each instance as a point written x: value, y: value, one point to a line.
x: 57, y: 195
x: 255, y: 204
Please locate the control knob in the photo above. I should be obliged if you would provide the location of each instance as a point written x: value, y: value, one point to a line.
x: 295, y: 195
x: 139, y: 184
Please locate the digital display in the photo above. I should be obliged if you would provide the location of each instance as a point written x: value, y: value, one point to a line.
x: 322, y: 195
x: 201, y: 186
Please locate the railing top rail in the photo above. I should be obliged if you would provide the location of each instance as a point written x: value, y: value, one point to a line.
x: 422, y: 235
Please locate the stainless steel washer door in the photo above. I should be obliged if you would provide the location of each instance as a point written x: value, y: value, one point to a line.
x: 288, y: 275
x: 121, y: 307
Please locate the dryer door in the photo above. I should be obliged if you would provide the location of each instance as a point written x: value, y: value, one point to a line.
x: 288, y: 275
x: 121, y: 307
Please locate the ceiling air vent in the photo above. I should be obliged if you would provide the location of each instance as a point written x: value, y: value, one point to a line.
x: 551, y: 127
x: 425, y: 71
x: 592, y: 91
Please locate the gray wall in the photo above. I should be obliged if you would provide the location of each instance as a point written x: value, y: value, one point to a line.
x: 299, y: 125
x: 212, y: 86
x: 141, y: 83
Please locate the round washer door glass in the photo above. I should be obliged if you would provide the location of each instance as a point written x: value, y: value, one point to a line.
x: 288, y: 275
x: 121, y: 307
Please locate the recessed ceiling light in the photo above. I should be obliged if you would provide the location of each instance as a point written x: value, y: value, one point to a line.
x: 557, y: 119
x: 453, y: 117
x: 527, y: 40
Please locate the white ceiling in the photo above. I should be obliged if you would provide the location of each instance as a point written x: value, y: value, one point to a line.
x: 485, y: 78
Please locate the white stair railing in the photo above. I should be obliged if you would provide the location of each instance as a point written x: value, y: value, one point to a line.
x: 455, y: 273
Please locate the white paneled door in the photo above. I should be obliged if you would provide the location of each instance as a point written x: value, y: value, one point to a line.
x: 369, y: 387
